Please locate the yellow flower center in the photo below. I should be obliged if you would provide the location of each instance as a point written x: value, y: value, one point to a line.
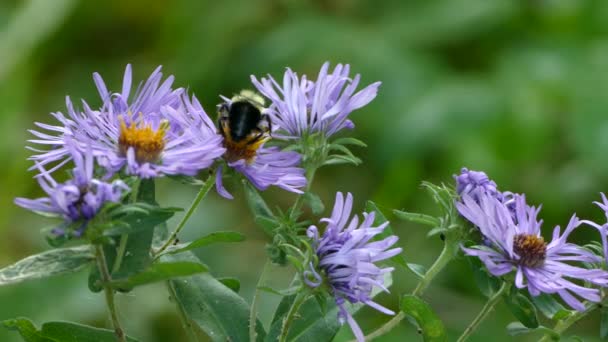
x: 532, y: 250
x: 147, y: 142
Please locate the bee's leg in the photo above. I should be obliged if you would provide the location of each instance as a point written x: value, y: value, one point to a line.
x: 223, y: 125
x: 268, y: 126
x: 261, y: 135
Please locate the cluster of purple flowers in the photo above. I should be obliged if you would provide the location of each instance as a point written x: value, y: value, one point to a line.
x: 513, y: 243
x: 156, y: 130
x: 347, y: 259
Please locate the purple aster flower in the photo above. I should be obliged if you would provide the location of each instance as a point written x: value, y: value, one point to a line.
x: 78, y: 199
x: 603, y: 229
x: 303, y: 107
x: 473, y: 182
x: 348, y: 257
x: 263, y: 166
x: 156, y: 132
x: 517, y: 245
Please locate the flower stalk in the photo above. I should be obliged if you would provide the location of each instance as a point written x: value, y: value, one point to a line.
x: 301, y: 297
x: 109, y: 292
x: 487, y: 308
x: 202, y: 193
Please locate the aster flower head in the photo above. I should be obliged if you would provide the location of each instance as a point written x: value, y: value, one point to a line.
x: 516, y: 245
x: 473, y: 182
x: 300, y: 106
x: 150, y: 134
x: 347, y: 259
x: 77, y: 200
x: 602, y: 228
x: 246, y: 152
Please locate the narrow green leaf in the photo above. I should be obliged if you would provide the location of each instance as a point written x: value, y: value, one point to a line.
x: 231, y: 283
x: 268, y: 224
x: 548, y: 305
x: 398, y: 259
x: 47, y: 264
x: 160, y: 272
x: 315, y: 322
x: 418, y: 218
x: 516, y: 328
x: 349, y: 141
x: 419, y: 270
x: 522, y: 308
x: 215, y: 237
x: 314, y: 202
x: 256, y: 203
x: 287, y: 292
x: 60, y: 332
x: 213, y: 307
x: 487, y: 284
x: 431, y: 326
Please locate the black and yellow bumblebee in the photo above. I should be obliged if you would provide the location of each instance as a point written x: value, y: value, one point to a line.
x: 244, y: 125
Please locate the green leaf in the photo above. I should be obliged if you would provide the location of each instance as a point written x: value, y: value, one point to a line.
x: 136, y: 221
x: 231, y: 283
x: 160, y: 272
x: 522, y: 308
x: 349, y: 141
x: 315, y: 322
x: 283, y: 293
x: 47, y: 264
x: 268, y: 224
x: 213, y: 307
x: 26, y: 328
x: 418, y: 218
x: 137, y: 252
x: 431, y: 326
x: 516, y: 328
x: 398, y: 259
x: 549, y: 306
x: 215, y: 237
x: 256, y: 203
x: 60, y: 332
x: 314, y: 202
x: 487, y: 284
x: 419, y: 270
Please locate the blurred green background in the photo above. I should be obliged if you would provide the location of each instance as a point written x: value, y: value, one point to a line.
x: 513, y: 87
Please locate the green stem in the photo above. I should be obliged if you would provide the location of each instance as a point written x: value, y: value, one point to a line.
x: 254, y: 302
x: 183, y: 317
x: 199, y: 197
x: 297, y: 302
x: 487, y: 308
x: 122, y: 246
x: 447, y: 254
x: 310, y: 175
x: 109, y: 292
x: 564, y: 324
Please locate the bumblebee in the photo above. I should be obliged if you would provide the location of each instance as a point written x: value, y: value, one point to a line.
x: 244, y: 125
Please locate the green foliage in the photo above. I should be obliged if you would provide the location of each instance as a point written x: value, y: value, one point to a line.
x: 209, y: 239
x: 50, y: 263
x: 431, y: 327
x: 60, y: 332
x: 160, y: 272
x: 314, y: 321
x: 212, y: 306
x: 522, y: 308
